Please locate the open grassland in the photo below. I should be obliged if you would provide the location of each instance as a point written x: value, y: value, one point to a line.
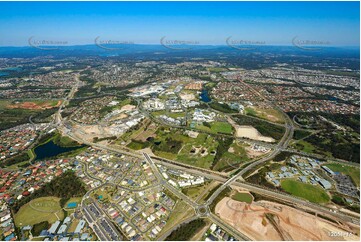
x: 232, y: 158
x: 352, y: 171
x: 242, y: 197
x: 202, y: 143
x: 169, y: 114
x: 216, y: 127
x: 217, y: 69
x: 38, y: 210
x: 304, y: 146
x: 269, y: 114
x: 138, y: 145
x: 194, y: 192
x: 307, y: 191
x: 174, y: 144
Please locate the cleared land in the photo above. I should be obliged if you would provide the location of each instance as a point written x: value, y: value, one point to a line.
x: 247, y: 131
x: 306, y: 191
x: 271, y: 221
x: 265, y: 113
x: 38, y: 210
x: 36, y: 104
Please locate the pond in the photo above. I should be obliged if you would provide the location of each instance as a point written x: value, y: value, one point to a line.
x: 50, y: 149
x: 204, y: 96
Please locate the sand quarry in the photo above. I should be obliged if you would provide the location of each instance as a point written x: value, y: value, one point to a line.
x: 288, y: 223
x: 246, y: 131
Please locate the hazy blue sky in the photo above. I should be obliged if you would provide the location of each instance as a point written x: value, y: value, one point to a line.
x: 205, y: 22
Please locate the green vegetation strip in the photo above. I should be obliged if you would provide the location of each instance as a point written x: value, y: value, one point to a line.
x: 243, y: 197
x: 186, y: 231
x: 306, y: 191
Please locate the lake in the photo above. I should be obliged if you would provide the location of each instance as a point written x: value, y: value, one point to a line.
x: 204, y: 96
x: 50, y: 149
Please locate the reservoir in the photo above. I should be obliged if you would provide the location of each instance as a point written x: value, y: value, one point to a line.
x: 50, y: 149
x: 204, y: 96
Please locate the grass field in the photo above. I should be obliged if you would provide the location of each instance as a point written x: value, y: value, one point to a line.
x: 307, y: 191
x: 203, y: 141
x: 38, y: 210
x: 194, y: 192
x: 232, y: 159
x: 217, y: 69
x: 353, y: 172
x: 217, y: 127
x: 169, y: 114
x: 304, y: 146
x: 265, y: 113
x: 137, y: 145
x: 243, y: 197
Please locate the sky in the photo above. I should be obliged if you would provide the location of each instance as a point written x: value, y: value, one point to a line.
x: 274, y: 23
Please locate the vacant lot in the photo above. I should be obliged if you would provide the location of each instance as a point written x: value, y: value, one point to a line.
x: 265, y: 113
x: 243, y: 197
x: 263, y: 127
x: 232, y: 158
x: 255, y: 221
x: 307, y: 191
x: 217, y: 127
x: 38, y: 210
x: 174, y: 144
x: 35, y: 104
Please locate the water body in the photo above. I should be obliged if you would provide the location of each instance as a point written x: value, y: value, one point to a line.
x: 204, y: 96
x: 50, y: 149
x: 3, y: 73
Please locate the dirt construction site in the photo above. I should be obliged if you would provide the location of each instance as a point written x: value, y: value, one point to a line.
x: 265, y: 220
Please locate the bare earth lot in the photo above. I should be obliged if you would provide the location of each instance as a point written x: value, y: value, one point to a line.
x: 246, y: 131
x: 289, y: 223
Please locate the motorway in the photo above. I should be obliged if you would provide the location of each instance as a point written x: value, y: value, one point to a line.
x: 234, y: 181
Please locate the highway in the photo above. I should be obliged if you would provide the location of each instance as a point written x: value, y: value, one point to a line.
x: 276, y: 195
x: 202, y: 210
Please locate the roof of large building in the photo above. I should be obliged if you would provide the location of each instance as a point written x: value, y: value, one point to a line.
x: 79, y: 226
x: 53, y: 227
x: 62, y: 229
